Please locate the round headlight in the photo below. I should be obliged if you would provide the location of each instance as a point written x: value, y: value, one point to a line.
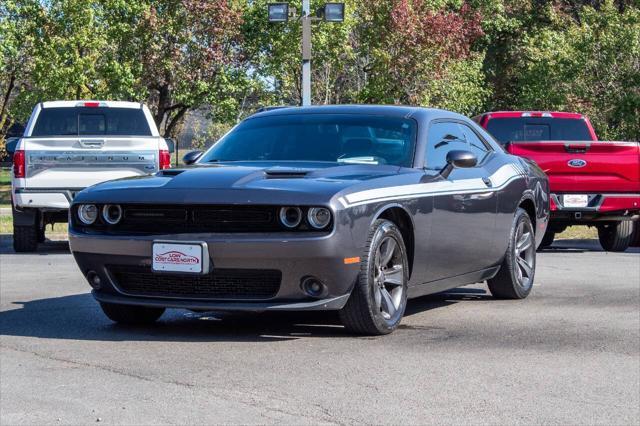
x: 290, y: 216
x: 319, y: 217
x: 87, y: 213
x: 112, y: 213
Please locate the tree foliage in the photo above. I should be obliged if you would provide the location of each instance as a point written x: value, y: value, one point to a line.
x: 224, y: 57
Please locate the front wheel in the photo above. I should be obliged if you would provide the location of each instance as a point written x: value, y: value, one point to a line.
x: 131, y: 314
x: 515, y: 278
x: 379, y: 297
x: 616, y: 236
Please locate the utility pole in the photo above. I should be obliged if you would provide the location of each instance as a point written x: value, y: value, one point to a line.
x: 306, y: 53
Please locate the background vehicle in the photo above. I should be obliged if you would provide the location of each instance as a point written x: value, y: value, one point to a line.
x: 595, y: 183
x: 70, y: 145
x: 350, y: 208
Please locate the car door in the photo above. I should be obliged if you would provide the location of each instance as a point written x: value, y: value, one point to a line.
x: 464, y: 215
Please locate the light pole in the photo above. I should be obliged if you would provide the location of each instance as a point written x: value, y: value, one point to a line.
x: 331, y: 12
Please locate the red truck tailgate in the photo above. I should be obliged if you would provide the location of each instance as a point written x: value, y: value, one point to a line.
x: 589, y: 166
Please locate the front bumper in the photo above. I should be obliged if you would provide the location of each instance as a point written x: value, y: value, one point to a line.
x: 295, y: 256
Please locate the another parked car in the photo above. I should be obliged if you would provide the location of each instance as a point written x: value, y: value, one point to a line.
x: 69, y: 145
x: 594, y: 183
x: 350, y: 208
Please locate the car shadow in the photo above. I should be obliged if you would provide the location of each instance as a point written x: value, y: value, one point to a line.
x: 580, y: 246
x: 78, y: 317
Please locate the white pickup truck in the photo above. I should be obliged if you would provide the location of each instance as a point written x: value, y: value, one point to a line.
x: 70, y: 145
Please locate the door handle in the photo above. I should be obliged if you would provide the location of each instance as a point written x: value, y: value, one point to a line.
x: 487, y: 181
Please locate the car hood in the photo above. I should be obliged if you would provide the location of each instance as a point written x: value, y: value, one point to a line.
x: 269, y: 183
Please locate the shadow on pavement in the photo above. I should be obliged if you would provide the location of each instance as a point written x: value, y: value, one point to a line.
x: 78, y: 317
x: 48, y: 247
x: 580, y: 246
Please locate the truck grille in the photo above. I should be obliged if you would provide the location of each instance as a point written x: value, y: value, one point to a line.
x: 238, y: 284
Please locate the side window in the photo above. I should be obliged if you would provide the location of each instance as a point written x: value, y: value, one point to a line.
x: 476, y: 145
x: 443, y: 137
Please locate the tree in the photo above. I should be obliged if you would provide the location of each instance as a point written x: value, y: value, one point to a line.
x: 590, y: 65
x: 182, y: 54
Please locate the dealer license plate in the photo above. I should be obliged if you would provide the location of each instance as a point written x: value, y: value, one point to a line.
x: 575, y: 200
x: 179, y: 257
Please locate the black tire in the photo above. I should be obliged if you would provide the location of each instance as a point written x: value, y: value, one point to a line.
x: 547, y: 240
x: 635, y: 241
x: 616, y: 236
x: 25, y: 239
x: 361, y: 314
x: 131, y: 314
x: 510, y: 282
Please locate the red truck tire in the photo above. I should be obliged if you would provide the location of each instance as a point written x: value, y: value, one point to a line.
x: 616, y: 236
x: 635, y: 241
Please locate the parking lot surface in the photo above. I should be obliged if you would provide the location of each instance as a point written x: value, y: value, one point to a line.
x: 568, y: 354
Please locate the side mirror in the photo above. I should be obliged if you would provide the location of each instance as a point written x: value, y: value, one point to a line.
x: 191, y: 157
x: 171, y: 144
x: 458, y: 159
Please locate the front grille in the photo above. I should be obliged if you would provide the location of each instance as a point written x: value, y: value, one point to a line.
x: 239, y: 284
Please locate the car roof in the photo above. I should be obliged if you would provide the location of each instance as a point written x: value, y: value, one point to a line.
x: 386, y: 110
x: 517, y: 114
x: 79, y: 103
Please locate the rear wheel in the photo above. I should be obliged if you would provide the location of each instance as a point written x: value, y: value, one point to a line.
x: 635, y: 241
x: 131, y: 314
x: 379, y: 297
x: 25, y: 238
x: 515, y: 278
x: 616, y: 236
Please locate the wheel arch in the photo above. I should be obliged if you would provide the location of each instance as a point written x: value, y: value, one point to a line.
x: 397, y: 214
x: 528, y: 205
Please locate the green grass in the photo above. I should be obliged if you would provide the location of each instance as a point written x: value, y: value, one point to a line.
x: 6, y: 227
x: 579, y: 233
x: 5, y: 187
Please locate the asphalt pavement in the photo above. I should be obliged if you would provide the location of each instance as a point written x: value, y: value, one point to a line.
x: 569, y: 354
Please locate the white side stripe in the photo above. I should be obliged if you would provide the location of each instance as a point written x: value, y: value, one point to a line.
x: 499, y: 179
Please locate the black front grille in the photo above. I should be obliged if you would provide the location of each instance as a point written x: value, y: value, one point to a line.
x: 153, y: 219
x: 239, y: 284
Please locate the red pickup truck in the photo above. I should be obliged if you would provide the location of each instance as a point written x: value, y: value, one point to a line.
x: 592, y: 182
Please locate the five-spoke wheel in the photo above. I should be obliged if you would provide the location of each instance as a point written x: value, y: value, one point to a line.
x: 379, y: 297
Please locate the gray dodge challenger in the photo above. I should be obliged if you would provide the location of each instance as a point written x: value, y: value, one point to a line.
x: 348, y: 208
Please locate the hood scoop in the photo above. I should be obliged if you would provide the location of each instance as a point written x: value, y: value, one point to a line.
x: 284, y: 173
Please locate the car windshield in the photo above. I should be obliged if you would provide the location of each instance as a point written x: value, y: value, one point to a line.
x: 337, y: 138
x: 538, y: 129
x: 79, y: 121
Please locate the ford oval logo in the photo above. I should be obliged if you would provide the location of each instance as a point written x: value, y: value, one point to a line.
x: 577, y: 163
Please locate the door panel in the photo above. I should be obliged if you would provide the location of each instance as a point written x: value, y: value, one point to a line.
x: 463, y: 224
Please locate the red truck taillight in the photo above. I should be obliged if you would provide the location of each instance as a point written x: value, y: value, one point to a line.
x: 165, y: 159
x: 19, y: 164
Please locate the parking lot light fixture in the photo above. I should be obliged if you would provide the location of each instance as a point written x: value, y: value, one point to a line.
x: 278, y: 12
x: 334, y: 12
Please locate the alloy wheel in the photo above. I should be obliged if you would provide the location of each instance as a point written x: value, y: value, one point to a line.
x: 524, y: 255
x: 388, y: 277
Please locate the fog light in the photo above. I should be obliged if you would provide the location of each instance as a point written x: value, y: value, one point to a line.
x: 314, y: 287
x: 94, y: 280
